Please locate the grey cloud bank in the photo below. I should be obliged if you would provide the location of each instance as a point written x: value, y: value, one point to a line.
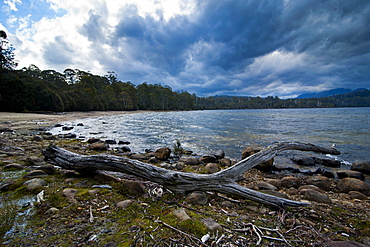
x: 254, y: 47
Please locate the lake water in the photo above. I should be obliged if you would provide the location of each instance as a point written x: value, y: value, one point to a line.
x: 232, y: 130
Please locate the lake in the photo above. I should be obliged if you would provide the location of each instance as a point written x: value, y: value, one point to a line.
x: 231, y: 130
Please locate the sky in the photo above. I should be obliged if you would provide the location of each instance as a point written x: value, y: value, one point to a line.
x: 261, y: 48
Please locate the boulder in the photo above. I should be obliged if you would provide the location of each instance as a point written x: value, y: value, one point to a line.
x: 225, y: 162
x: 219, y: 154
x: 361, y: 166
x: 265, y: 186
x: 138, y: 157
x: 48, y: 169
x: 304, y: 161
x: 357, y: 195
x: 162, y: 153
x: 124, y: 142
x: 328, y: 162
x: 302, y: 189
x: 212, y: 168
x: 288, y: 182
x: 35, y: 183
x: 125, y: 149
x: 252, y: 149
x: 316, y: 196
x: 321, y: 182
x: 197, y: 197
x: 189, y: 160
x: 350, y: 174
x: 92, y: 140
x: 111, y: 141
x: 208, y: 159
x: 35, y: 161
x: 5, y: 185
x: 37, y: 138
x: 99, y: 146
x: 353, y: 184
x: 35, y: 174
x: 13, y: 166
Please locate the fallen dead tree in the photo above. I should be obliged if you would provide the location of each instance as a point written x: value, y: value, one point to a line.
x: 224, y: 181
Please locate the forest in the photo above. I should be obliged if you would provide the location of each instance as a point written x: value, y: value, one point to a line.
x: 33, y: 90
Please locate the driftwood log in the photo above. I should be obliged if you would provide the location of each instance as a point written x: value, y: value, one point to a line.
x: 224, y: 181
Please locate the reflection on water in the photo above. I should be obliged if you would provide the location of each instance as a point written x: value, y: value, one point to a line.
x: 232, y: 130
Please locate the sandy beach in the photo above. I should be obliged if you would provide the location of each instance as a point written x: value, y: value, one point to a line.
x: 20, y: 121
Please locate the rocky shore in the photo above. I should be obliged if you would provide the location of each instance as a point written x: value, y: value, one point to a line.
x: 44, y: 205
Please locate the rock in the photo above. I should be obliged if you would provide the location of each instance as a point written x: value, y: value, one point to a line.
x: 219, y: 154
x: 265, y: 186
x: 314, y: 195
x: 288, y: 182
x: 304, y: 161
x: 35, y: 183
x: 189, y: 160
x: 125, y: 149
x: 328, y: 173
x: 350, y: 174
x: 104, y: 177
x: 211, y: 224
x: 35, y: 174
x: 69, y: 136
x: 197, y: 197
x: 111, y: 244
x: 328, y: 162
x: 37, y: 139
x: 225, y: 162
x: 48, y: 169
x: 178, y: 166
x: 321, y: 182
x: 181, y: 214
x: 70, y: 194
x: 52, y: 211
x: 93, y: 140
x: 252, y: 149
x: 99, y: 146
x: 6, y: 129
x: 292, y: 191
x: 35, y: 161
x: 276, y: 193
x: 138, y: 157
x: 208, y: 159
x: 66, y: 128
x: 353, y: 184
x: 361, y: 166
x: 303, y: 188
x: 212, y: 168
x: 124, y: 204
x: 124, y: 142
x: 80, y: 124
x: 5, y: 185
x: 345, y: 244
x: 274, y: 182
x: 357, y: 195
x: 13, y: 166
x: 111, y: 141
x: 226, y: 204
x: 134, y: 187
x: 162, y: 153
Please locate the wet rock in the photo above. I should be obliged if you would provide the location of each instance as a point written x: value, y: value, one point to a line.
x: 125, y: 149
x: 304, y: 161
x: 328, y: 173
x: 58, y: 125
x: 134, y: 187
x: 208, y: 159
x: 219, y: 154
x: 252, y: 149
x: 189, y: 160
x: 361, y: 166
x: 6, y: 129
x: 212, y: 168
x: 181, y: 214
x: 69, y: 136
x: 350, y: 174
x: 328, y: 162
x: 357, y: 195
x: 265, y: 186
x: 197, y: 197
x: 125, y: 204
x: 111, y: 141
x: 288, y: 182
x: 99, y: 146
x: 316, y: 196
x: 5, y: 185
x: 225, y: 162
x: 124, y: 142
x: 13, y: 166
x: 66, y: 128
x: 321, y: 182
x: 345, y: 244
x: 162, y: 153
x: 80, y: 124
x: 211, y: 224
x: 70, y: 194
x: 35, y: 183
x: 37, y: 139
x: 48, y: 169
x: 35, y: 174
x: 353, y: 184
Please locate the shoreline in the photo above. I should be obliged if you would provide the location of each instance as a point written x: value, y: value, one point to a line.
x: 30, y: 121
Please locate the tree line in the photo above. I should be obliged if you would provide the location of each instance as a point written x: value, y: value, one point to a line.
x: 33, y: 90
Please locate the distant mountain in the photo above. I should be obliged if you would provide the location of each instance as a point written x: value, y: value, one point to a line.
x: 336, y: 91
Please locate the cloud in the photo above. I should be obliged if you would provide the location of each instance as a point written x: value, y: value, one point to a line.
x: 11, y: 5
x: 256, y: 47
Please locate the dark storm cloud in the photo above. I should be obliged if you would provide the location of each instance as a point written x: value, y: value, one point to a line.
x: 225, y: 46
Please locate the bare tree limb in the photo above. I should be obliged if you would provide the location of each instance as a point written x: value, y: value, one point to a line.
x: 184, y: 182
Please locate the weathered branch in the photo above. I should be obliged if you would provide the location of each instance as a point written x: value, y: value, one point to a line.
x: 184, y: 182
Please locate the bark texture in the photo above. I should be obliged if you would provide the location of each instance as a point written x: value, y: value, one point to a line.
x: 224, y: 181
